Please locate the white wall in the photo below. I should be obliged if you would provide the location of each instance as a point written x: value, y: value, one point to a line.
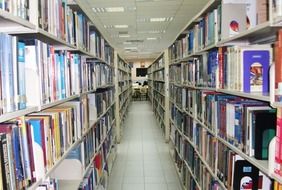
x: 138, y: 65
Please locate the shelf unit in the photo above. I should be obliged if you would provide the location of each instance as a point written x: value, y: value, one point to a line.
x: 187, y: 110
x: 88, y: 58
x: 158, y: 91
x: 124, y: 90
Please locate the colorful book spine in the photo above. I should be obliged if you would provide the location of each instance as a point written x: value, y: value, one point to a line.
x: 21, y: 76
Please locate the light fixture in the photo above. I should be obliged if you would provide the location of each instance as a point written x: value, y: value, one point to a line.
x: 121, y: 26
x: 115, y: 9
x: 130, y: 48
x: 161, y: 19
x: 124, y: 35
x: 127, y: 43
x: 152, y: 38
x: 98, y: 10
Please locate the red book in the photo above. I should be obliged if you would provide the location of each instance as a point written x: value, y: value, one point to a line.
x: 31, y: 159
x: 278, y: 59
x: 278, y: 148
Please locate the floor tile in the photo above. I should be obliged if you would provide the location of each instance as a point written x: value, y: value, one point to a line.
x: 159, y: 186
x: 137, y: 186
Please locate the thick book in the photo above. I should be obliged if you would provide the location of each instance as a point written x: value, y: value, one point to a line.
x: 35, y: 128
x: 255, y: 69
x: 233, y: 19
x: 264, y: 123
x: 245, y: 175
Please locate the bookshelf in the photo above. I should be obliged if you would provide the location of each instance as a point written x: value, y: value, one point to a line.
x: 206, y: 143
x: 67, y: 93
x: 157, y: 91
x: 124, y: 91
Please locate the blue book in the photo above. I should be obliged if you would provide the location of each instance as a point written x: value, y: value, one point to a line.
x: 37, y: 146
x: 21, y: 76
x: 62, y: 79
x: 17, y: 154
x: 7, y: 73
x: 255, y: 69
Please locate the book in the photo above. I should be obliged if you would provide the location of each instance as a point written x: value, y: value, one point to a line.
x: 278, y: 66
x: 233, y: 19
x: 255, y: 69
x: 278, y: 144
x: 37, y: 141
x: 21, y: 75
x: 264, y: 129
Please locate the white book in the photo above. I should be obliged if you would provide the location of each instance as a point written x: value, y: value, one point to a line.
x: 33, y: 87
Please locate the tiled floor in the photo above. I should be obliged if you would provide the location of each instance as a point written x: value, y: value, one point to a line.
x: 143, y: 161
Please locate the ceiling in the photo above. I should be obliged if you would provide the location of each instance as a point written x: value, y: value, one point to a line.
x: 141, y: 29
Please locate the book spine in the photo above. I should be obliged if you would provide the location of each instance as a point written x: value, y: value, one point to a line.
x: 21, y: 75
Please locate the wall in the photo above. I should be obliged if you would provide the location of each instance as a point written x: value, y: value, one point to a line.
x: 137, y: 65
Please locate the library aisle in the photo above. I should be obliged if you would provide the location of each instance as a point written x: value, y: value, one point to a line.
x: 143, y: 161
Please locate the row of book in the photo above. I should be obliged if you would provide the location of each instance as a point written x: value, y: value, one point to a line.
x: 157, y: 64
x: 99, y: 47
x: 123, y: 65
x: 100, y: 102
x: 205, y: 142
x: 159, y: 98
x: 55, y: 74
x: 226, y: 20
x: 237, y: 173
x: 97, y: 74
x: 17, y: 8
x: 241, y: 122
x: 175, y: 73
x: 122, y: 76
x: 159, y: 75
x: 227, y: 165
x: 31, y: 145
x: 175, y: 93
x: 59, y: 19
x: 176, y: 116
x: 159, y: 86
x: 239, y: 68
x: 123, y: 86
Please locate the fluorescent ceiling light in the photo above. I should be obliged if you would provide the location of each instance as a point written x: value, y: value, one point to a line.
x: 130, y: 48
x: 127, y: 43
x: 151, y: 38
x: 124, y: 36
x: 162, y: 19
x: 121, y: 26
x: 115, y: 9
x: 98, y: 10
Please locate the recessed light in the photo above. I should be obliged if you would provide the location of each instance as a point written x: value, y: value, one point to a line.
x: 124, y: 36
x: 151, y: 38
x: 121, y: 26
x: 130, y: 48
x: 98, y: 10
x: 161, y: 19
x: 115, y: 9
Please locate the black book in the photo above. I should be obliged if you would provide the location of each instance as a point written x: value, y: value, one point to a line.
x: 246, y: 176
x: 264, y: 122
